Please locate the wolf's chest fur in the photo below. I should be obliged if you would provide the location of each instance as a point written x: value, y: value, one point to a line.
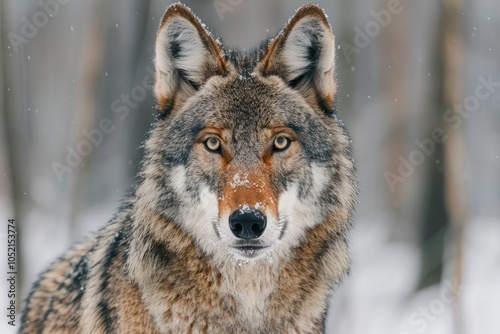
x: 241, y: 217
x: 251, y: 285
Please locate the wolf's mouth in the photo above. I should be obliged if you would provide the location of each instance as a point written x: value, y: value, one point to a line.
x: 249, y: 251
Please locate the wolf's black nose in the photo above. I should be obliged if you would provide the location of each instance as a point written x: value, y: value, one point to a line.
x: 247, y: 223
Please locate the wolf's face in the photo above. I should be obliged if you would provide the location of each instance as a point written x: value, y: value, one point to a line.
x: 248, y: 157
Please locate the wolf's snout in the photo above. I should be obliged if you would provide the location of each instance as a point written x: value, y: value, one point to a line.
x: 247, y: 224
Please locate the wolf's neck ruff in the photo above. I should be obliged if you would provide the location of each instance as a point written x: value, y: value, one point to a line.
x: 240, y: 222
x: 255, y: 294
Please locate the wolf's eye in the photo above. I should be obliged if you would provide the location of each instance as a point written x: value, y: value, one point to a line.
x: 212, y: 144
x: 281, y: 143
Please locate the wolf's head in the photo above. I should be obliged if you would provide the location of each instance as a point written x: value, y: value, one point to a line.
x: 249, y: 156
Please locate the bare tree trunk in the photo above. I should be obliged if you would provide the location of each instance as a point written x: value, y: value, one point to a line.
x: 15, y: 144
x: 86, y: 110
x: 435, y: 218
x: 452, y: 53
x: 445, y: 200
x: 396, y: 46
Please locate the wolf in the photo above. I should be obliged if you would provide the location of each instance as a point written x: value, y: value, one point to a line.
x: 240, y: 222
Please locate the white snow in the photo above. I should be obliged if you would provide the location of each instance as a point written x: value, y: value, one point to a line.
x: 379, y: 296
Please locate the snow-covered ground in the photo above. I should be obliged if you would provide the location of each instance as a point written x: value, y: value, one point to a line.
x: 380, y: 297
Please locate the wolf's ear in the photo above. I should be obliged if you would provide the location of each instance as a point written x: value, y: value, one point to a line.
x: 186, y: 57
x: 303, y: 55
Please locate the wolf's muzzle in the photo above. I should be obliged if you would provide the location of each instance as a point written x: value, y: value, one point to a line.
x: 247, y: 223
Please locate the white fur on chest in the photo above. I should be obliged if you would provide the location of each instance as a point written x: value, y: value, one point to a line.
x: 250, y: 284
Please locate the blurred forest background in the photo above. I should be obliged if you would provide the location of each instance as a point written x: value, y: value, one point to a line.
x: 419, y: 91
